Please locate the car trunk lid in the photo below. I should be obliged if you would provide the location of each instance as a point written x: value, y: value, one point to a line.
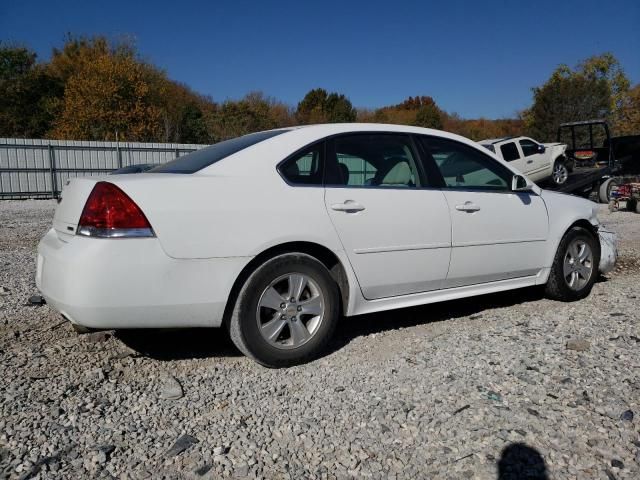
x: 71, y: 203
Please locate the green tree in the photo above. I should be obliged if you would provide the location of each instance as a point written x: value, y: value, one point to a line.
x: 319, y: 106
x: 596, y: 88
x: 254, y: 112
x: 429, y: 116
x: 26, y: 94
x: 421, y: 111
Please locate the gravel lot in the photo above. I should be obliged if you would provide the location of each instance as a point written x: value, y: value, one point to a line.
x: 502, y: 386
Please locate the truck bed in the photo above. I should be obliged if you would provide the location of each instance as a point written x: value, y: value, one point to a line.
x: 582, y: 178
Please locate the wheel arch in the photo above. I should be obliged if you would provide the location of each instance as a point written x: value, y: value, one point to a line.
x: 580, y: 222
x: 321, y: 253
x: 586, y: 224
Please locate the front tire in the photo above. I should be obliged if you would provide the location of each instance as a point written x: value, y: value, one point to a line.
x: 286, y: 312
x: 575, y: 266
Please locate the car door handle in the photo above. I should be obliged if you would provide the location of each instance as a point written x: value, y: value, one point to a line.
x: 347, y: 206
x: 529, y: 161
x: 468, y: 207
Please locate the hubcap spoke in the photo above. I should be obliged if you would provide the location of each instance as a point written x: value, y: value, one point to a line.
x: 273, y: 327
x: 584, y: 272
x: 299, y: 333
x: 574, y: 279
x: 575, y: 251
x: 312, y: 306
x: 297, y: 283
x: 271, y: 299
x: 584, y: 255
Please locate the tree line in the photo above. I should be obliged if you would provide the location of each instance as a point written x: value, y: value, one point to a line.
x: 96, y: 89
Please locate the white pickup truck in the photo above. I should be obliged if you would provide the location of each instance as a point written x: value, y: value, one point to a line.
x: 538, y: 161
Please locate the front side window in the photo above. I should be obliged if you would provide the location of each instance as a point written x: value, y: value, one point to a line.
x: 509, y: 152
x: 529, y: 147
x: 303, y: 168
x: 372, y: 160
x: 464, y: 167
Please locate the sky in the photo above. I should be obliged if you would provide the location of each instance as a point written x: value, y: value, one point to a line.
x: 475, y: 58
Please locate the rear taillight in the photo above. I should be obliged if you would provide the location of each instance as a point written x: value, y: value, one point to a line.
x: 110, y: 213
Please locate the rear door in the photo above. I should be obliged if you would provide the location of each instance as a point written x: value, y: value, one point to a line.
x: 497, y: 234
x: 512, y: 154
x: 395, y: 230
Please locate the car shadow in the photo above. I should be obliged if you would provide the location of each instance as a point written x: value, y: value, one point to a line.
x: 352, y: 327
x: 519, y: 461
x: 179, y: 344
x: 192, y: 343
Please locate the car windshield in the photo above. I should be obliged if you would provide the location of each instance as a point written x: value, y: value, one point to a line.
x: 200, y: 159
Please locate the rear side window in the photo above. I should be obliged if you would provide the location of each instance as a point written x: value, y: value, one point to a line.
x: 200, y: 159
x: 509, y: 152
x: 304, y: 168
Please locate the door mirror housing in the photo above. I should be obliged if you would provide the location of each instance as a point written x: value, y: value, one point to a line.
x: 542, y: 148
x: 521, y: 184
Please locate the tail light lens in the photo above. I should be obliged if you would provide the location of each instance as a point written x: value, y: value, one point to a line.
x: 110, y: 213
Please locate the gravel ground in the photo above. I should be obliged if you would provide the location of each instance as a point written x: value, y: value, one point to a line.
x: 502, y: 386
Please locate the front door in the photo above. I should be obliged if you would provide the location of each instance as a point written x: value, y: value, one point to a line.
x: 497, y: 234
x: 538, y: 165
x: 396, y: 233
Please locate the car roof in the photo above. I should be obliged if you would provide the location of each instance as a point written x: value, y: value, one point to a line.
x: 493, y: 141
x: 273, y: 150
x: 260, y: 158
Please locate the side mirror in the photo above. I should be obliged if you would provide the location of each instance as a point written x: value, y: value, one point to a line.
x: 542, y: 149
x: 520, y: 184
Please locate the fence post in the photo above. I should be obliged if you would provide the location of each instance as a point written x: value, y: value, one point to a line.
x: 177, y: 152
x: 119, y: 154
x: 52, y: 171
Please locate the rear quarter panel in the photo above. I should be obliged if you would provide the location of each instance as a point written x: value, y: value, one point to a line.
x: 208, y: 216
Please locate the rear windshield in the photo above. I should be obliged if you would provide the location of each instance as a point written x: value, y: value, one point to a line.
x: 208, y: 156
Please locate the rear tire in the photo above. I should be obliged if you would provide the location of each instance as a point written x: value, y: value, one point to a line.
x: 560, y: 172
x: 575, y: 266
x: 278, y: 325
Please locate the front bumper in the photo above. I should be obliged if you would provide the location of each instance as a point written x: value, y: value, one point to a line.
x: 132, y: 283
x: 608, y: 250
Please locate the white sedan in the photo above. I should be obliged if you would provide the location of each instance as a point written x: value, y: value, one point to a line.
x: 279, y: 234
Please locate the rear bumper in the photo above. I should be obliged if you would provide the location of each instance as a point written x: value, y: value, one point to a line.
x: 132, y: 283
x: 608, y: 250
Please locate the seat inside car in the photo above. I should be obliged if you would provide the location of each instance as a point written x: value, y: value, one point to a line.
x: 343, y: 174
x: 398, y: 174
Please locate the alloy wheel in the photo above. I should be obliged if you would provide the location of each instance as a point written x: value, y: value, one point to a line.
x: 560, y: 173
x: 290, y: 311
x: 578, y: 264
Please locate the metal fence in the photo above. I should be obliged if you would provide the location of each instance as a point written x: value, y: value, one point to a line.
x: 31, y: 168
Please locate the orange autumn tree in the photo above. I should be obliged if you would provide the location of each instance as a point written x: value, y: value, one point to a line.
x: 110, y: 94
